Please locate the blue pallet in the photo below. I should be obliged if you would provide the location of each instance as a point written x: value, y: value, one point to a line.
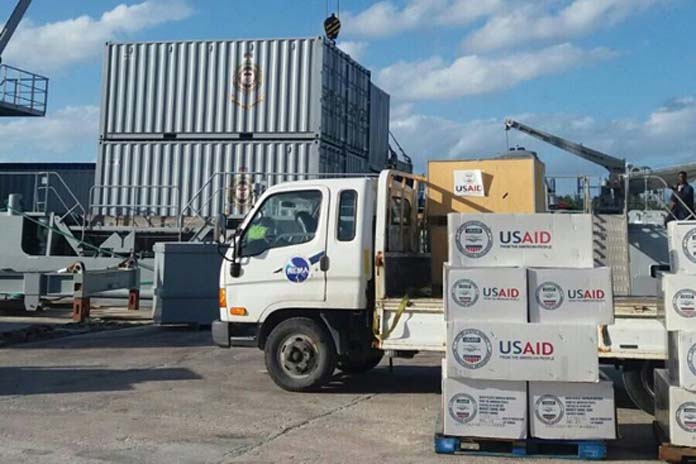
x: 592, y: 450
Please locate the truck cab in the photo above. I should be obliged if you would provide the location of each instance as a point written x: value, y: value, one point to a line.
x: 297, y: 280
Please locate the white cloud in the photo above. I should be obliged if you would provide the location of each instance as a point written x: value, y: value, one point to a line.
x: 69, y: 134
x: 356, y: 49
x: 385, y: 19
x: 661, y: 138
x: 434, y: 78
x: 533, y: 22
x: 46, y: 47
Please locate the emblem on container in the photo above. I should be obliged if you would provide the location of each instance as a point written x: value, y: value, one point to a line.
x: 474, y: 239
x: 689, y: 245
x: 465, y: 292
x: 686, y: 416
x: 472, y: 349
x: 684, y: 302
x: 247, y: 82
x: 549, y: 295
x: 549, y: 409
x: 462, y: 408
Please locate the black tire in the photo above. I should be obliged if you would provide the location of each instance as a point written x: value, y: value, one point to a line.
x: 639, y: 383
x: 300, y: 355
x: 361, y: 363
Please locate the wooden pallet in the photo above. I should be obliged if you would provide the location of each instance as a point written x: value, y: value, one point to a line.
x: 530, y: 448
x: 672, y: 453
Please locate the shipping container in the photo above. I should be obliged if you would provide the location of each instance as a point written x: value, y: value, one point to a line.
x: 379, y: 128
x: 48, y: 187
x: 239, y: 89
x: 206, y: 178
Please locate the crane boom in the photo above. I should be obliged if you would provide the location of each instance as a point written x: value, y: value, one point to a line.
x: 12, y: 23
x: 614, y: 165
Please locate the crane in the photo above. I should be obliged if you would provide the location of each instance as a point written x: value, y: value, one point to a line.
x: 612, y: 196
x: 11, y: 26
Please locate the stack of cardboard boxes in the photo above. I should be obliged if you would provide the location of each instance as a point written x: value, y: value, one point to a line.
x: 522, y: 304
x: 675, y: 387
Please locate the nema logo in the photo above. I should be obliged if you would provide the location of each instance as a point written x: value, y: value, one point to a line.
x: 297, y: 270
x: 472, y: 348
x: 684, y: 302
x: 686, y: 416
x: 465, y: 292
x: 549, y: 409
x: 549, y: 295
x: 474, y: 239
x: 462, y: 408
x: 689, y: 245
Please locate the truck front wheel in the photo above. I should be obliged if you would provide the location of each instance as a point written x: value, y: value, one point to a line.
x: 300, y: 355
x: 639, y: 384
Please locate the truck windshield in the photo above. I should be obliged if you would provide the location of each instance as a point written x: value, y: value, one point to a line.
x: 284, y: 219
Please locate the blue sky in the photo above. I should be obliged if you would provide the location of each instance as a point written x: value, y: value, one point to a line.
x: 617, y: 75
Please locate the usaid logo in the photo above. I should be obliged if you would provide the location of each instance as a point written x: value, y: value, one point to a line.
x: 549, y: 295
x: 297, y: 270
x: 689, y: 245
x: 549, y: 409
x: 462, y: 408
x: 690, y: 359
x: 465, y: 292
x: 684, y: 302
x: 474, y: 239
x: 686, y: 416
x: 472, y: 349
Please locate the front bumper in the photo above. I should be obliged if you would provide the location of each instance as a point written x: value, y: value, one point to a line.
x: 227, y: 334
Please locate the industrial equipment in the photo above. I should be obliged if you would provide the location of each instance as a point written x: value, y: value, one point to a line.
x: 612, y: 196
x: 22, y: 93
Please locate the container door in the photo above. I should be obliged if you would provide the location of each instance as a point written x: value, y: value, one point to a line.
x: 281, y: 253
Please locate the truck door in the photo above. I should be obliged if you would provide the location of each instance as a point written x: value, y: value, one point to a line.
x: 281, y: 252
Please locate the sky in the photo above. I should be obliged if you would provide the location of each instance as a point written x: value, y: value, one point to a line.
x: 615, y: 75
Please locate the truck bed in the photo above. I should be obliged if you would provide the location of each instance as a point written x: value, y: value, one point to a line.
x: 636, y: 334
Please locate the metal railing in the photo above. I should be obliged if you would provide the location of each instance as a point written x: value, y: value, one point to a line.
x: 134, y: 200
x: 661, y: 201
x: 23, y: 90
x: 48, y: 185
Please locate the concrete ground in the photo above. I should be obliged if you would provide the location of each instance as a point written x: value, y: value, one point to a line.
x: 152, y: 395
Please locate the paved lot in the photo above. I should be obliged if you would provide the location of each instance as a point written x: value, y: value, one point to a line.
x: 150, y: 395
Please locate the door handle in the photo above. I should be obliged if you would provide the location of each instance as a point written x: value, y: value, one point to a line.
x: 324, y: 263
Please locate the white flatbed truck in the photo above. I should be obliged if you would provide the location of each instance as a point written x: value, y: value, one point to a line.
x: 327, y: 273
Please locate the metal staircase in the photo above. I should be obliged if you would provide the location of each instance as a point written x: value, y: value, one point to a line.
x: 611, y: 249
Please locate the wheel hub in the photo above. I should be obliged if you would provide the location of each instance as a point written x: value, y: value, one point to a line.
x: 298, y: 356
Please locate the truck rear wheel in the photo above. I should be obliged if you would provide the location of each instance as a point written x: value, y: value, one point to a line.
x: 300, y: 355
x: 640, y: 385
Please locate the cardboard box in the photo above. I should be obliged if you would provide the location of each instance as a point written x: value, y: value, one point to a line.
x: 571, y: 295
x: 681, y: 359
x: 520, y: 240
x: 682, y: 246
x: 675, y: 410
x: 485, y: 294
x: 481, y: 408
x: 510, y: 351
x: 676, y: 304
x: 572, y: 411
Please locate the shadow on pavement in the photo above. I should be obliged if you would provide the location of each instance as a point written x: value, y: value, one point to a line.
x: 401, y: 379
x: 126, y: 337
x: 637, y: 443
x: 43, y: 380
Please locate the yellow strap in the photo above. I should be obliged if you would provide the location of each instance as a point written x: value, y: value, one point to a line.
x: 402, y: 307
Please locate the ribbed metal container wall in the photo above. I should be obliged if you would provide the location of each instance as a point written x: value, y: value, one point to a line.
x: 164, y: 178
x: 379, y: 128
x: 273, y: 89
x: 62, y: 180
